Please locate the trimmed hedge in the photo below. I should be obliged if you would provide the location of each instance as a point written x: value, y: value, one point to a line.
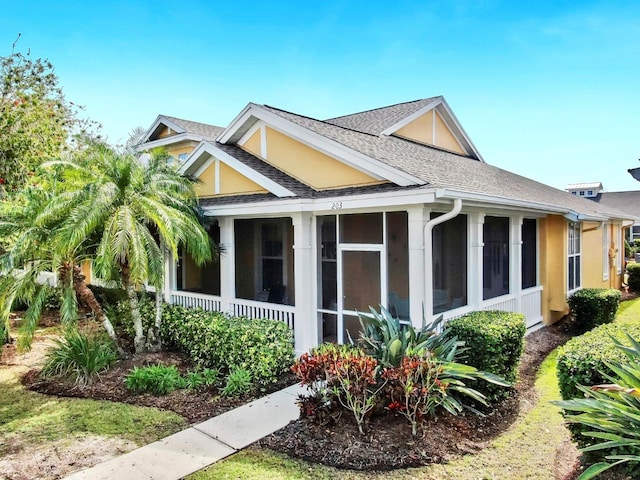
x: 494, y: 342
x: 582, y: 358
x: 214, y: 340
x: 594, y: 306
x: 633, y: 269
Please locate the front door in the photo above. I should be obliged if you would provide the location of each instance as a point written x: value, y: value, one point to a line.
x: 352, y: 269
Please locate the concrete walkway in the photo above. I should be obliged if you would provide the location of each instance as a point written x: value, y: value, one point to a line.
x: 202, y: 444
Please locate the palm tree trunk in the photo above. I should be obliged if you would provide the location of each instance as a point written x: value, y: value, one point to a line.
x: 85, y: 295
x: 139, y: 341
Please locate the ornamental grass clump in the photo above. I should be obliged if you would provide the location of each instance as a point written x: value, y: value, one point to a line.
x: 79, y: 356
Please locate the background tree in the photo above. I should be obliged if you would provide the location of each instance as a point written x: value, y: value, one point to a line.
x: 37, y: 122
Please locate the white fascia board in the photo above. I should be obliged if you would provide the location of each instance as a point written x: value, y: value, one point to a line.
x: 353, y: 158
x: 481, y: 199
x: 418, y: 113
x: 236, y: 125
x: 162, y: 120
x: 449, y: 118
x: 370, y: 201
x: 161, y: 142
x: 204, y: 154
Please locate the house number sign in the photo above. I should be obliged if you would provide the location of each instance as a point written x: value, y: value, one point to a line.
x: 336, y: 205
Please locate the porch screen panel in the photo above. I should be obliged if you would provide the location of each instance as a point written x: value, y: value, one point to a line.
x: 529, y: 253
x: 361, y: 228
x: 211, y: 270
x: 449, y: 264
x: 328, y: 263
x: 398, y: 264
x: 495, y: 257
x: 361, y: 280
x: 245, y: 259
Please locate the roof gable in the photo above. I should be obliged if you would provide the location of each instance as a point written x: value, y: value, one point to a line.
x: 166, y: 130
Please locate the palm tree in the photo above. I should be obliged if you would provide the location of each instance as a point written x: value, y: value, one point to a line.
x: 31, y: 253
x: 135, y: 212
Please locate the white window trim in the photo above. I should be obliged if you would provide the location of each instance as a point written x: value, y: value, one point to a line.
x: 577, y: 229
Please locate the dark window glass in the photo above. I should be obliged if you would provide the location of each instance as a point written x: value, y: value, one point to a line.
x: 529, y: 253
x: 361, y: 228
x: 398, y: 264
x: 495, y: 254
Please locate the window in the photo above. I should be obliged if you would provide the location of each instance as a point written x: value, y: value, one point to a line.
x: 529, y: 253
x: 590, y: 193
x: 573, y: 260
x: 574, y: 193
x: 495, y: 254
x: 582, y: 193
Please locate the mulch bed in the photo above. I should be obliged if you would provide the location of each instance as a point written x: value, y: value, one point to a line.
x: 388, y: 443
x: 194, y: 406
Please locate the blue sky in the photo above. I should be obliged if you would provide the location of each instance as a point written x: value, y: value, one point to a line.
x: 546, y: 89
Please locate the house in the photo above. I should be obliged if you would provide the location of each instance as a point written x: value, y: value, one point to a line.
x: 627, y: 202
x: 319, y: 219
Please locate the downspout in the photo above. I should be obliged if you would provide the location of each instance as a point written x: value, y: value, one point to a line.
x: 428, y: 253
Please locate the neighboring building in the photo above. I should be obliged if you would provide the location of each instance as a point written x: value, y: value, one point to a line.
x: 627, y: 202
x: 587, y: 190
x: 318, y: 220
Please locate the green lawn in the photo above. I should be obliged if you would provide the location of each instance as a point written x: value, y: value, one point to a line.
x: 29, y: 418
x: 528, y: 450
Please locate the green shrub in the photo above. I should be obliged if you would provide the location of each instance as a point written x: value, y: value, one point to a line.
x: 633, y: 269
x: 238, y: 382
x: 611, y: 413
x: 583, y: 360
x: 79, y: 356
x: 156, y: 379
x: 494, y: 342
x: 214, y: 340
x: 594, y: 306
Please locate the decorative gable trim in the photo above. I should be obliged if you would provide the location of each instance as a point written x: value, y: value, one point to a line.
x: 440, y: 105
x: 161, y: 142
x: 253, y: 113
x: 206, y: 153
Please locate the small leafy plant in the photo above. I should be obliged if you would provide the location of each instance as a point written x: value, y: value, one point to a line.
x: 156, y: 379
x: 79, y: 356
x: 238, y: 383
x: 206, y: 377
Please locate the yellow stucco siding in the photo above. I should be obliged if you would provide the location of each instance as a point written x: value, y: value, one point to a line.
x: 593, y: 268
x: 254, y: 144
x: 231, y: 182
x: 431, y: 129
x: 553, y: 267
x: 314, y: 168
x: 420, y: 130
x: 444, y: 137
x: 180, y: 148
x: 165, y: 132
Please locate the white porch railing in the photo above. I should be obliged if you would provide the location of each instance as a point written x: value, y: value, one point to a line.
x: 237, y: 307
x: 195, y: 300
x: 531, y: 305
x: 271, y: 311
x: 506, y: 303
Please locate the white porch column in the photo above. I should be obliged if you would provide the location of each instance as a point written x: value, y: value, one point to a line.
x: 227, y: 263
x: 305, y: 271
x: 475, y: 265
x: 418, y: 216
x: 515, y: 264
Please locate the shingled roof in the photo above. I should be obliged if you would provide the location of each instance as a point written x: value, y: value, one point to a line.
x: 378, y: 120
x: 443, y: 169
x: 628, y: 202
x: 207, y: 131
